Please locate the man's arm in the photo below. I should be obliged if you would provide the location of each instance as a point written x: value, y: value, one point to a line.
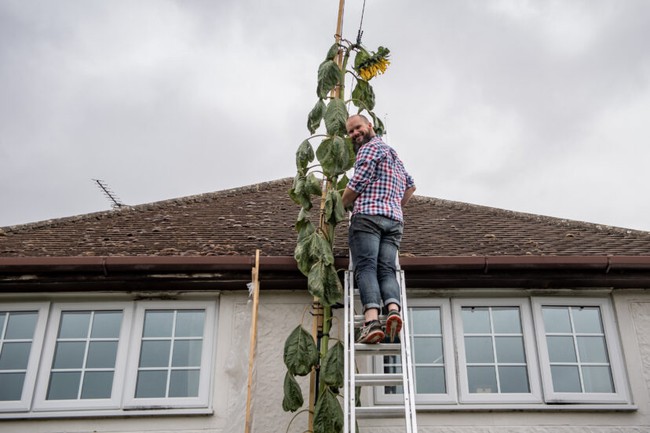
x: 407, y: 195
x: 349, y: 197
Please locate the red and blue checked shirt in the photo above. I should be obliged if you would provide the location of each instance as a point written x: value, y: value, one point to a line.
x: 380, y: 179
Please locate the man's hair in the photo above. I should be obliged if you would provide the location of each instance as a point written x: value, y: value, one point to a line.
x: 365, y: 119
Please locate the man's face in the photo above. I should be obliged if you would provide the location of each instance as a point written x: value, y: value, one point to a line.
x: 359, y: 130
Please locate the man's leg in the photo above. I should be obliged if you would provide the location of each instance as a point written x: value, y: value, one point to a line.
x: 386, y: 274
x: 364, y: 240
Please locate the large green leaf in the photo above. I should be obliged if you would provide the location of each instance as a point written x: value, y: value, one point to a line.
x: 329, y: 75
x: 332, y: 288
x: 316, y: 279
x: 312, y: 185
x: 351, y: 154
x: 292, y: 400
x: 303, y: 252
x: 377, y: 124
x: 335, y: 117
x: 342, y: 183
x: 315, y: 116
x: 333, y: 51
x: 363, y: 96
x: 334, y: 211
x: 304, y: 155
x: 362, y: 56
x: 297, y: 192
x: 300, y: 353
x: 334, y: 155
x: 328, y: 415
x: 331, y: 369
x: 303, y: 221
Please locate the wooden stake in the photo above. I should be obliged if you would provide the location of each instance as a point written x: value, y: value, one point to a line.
x: 253, y: 339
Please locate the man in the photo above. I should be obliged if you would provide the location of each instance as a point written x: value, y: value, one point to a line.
x: 378, y: 190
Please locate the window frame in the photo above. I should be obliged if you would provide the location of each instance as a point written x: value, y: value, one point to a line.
x: 614, y: 352
x: 528, y: 334
x: 204, y: 396
x: 31, y: 374
x: 41, y: 403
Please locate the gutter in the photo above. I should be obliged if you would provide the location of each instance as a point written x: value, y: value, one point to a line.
x: 280, y: 272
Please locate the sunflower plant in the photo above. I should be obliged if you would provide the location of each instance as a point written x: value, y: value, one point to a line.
x: 321, y: 178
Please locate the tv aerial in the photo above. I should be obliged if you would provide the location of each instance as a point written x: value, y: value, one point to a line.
x: 116, y: 203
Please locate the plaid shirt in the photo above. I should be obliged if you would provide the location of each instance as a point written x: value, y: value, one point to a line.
x: 380, y: 179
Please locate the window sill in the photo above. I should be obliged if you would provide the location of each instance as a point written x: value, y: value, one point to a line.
x: 570, y: 407
x: 154, y: 411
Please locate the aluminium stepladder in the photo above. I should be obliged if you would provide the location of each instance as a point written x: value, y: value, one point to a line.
x: 404, y: 379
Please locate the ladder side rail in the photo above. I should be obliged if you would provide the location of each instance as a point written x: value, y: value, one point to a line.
x: 346, y: 355
x: 407, y: 361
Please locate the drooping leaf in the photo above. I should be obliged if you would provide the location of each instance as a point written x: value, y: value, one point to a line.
x: 300, y: 353
x: 343, y: 182
x: 303, y: 221
x: 304, y: 155
x: 321, y: 249
x: 377, y: 124
x: 297, y: 192
x: 360, y: 58
x: 334, y: 211
x: 312, y: 185
x: 329, y: 75
x: 332, y: 52
x: 303, y: 252
x: 316, y: 280
x: 328, y: 415
x: 315, y: 116
x: 331, y: 369
x: 332, y: 289
x: 363, y: 96
x: 352, y: 154
x: 293, y: 399
x: 335, y: 117
x: 334, y: 156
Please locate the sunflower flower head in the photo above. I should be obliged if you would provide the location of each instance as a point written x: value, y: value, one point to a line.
x: 369, y: 65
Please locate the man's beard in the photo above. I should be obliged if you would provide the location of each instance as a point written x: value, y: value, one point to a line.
x: 357, y: 144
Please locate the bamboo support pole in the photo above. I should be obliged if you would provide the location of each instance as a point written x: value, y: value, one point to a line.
x: 253, y: 340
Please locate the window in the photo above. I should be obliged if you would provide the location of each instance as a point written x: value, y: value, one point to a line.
x: 87, y: 350
x: 508, y: 351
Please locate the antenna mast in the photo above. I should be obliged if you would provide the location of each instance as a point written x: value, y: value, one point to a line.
x: 115, y: 201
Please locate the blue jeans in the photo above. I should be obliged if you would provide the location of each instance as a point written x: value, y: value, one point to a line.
x: 374, y: 241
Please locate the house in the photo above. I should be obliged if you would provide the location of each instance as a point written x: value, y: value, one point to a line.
x: 138, y: 319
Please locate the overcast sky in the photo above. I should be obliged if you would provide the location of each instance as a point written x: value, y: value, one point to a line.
x: 533, y: 106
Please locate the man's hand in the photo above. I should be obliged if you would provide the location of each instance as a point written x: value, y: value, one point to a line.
x: 349, y: 197
x: 407, y: 195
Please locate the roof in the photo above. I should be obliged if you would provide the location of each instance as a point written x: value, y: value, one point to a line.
x: 238, y: 221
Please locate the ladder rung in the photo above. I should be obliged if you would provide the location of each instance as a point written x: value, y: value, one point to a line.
x: 396, y: 411
x: 378, y: 349
x: 378, y: 379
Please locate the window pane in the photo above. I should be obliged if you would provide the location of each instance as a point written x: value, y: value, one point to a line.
x: 101, y: 354
x: 427, y: 350
x: 69, y: 354
x: 430, y: 380
x: 592, y: 349
x: 97, y: 384
x: 482, y: 379
x: 513, y: 379
x: 3, y: 316
x: 106, y: 324
x: 506, y: 320
x: 151, y: 384
x: 597, y: 379
x: 14, y: 356
x: 184, y: 383
x: 187, y: 353
x: 21, y: 325
x: 155, y: 353
x: 476, y: 320
x: 426, y: 320
x: 11, y: 386
x: 556, y: 319
x: 63, y: 385
x: 565, y: 379
x: 74, y: 324
x: 561, y: 349
x: 190, y: 323
x: 510, y: 350
x: 587, y: 320
x: 158, y: 324
x: 478, y: 349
